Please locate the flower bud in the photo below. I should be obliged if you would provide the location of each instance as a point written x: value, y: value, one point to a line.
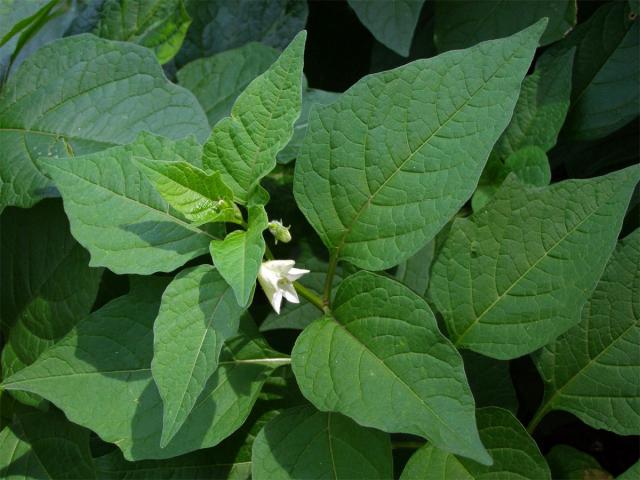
x: 279, y: 231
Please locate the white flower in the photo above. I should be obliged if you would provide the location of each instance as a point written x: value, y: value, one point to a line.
x: 276, y: 278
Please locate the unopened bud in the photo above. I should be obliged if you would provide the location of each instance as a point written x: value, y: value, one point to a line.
x: 279, y: 231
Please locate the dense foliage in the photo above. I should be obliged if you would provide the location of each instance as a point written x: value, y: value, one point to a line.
x: 214, y: 266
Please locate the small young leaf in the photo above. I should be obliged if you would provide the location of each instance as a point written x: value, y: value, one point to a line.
x: 119, y: 216
x: 568, y: 463
x: 382, y: 169
x: 197, y: 314
x: 99, y: 375
x: 392, y: 22
x: 462, y: 23
x: 380, y: 359
x: 218, y: 80
x: 606, y: 73
x: 159, y: 25
x: 530, y: 164
x: 45, y: 445
x: 243, y: 146
x: 80, y: 95
x: 200, y: 196
x: 516, y: 274
x: 592, y: 370
x: 220, y: 25
x: 238, y: 257
x: 515, y: 454
x: 304, y: 443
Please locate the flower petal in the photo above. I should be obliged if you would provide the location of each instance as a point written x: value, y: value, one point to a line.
x: 295, y: 273
x: 290, y: 293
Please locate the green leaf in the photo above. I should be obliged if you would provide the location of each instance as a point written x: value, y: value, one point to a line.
x: 542, y: 106
x: 99, y: 376
x: 515, y: 454
x: 45, y: 445
x: 631, y: 473
x: 387, y: 165
x: 218, y: 80
x: 243, y: 147
x: 490, y: 381
x: 304, y: 443
x: 47, y: 284
x: 200, y: 196
x: 159, y: 25
x: 79, y: 95
x: 381, y: 360
x: 463, y: 23
x: 414, y: 271
x: 310, y: 97
x: 568, y: 463
x: 16, y: 15
x: 238, y: 257
x: 530, y: 164
x: 220, y: 25
x: 119, y: 216
x: 592, y: 370
x: 392, y: 22
x: 606, y: 74
x: 11, y: 364
x: 197, y: 314
x: 516, y: 274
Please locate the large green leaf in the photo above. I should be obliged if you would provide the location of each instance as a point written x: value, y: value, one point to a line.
x: 462, y: 23
x: 592, y: 370
x: 304, y: 443
x: 387, y: 165
x: 79, y: 95
x: 220, y: 25
x: 515, y: 454
x: 197, y: 314
x: 541, y: 108
x: 45, y: 446
x: 567, y: 463
x: 118, y: 215
x: 606, y: 73
x: 160, y: 25
x: 200, y: 196
x: 243, y: 147
x: 100, y: 376
x: 238, y: 257
x: 47, y: 286
x: 218, y: 80
x: 392, y: 22
x: 380, y: 359
x: 516, y: 274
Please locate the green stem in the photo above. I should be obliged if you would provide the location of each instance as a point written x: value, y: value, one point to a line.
x: 310, y: 295
x: 328, y: 283
x: 268, y: 253
x: 537, y: 418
